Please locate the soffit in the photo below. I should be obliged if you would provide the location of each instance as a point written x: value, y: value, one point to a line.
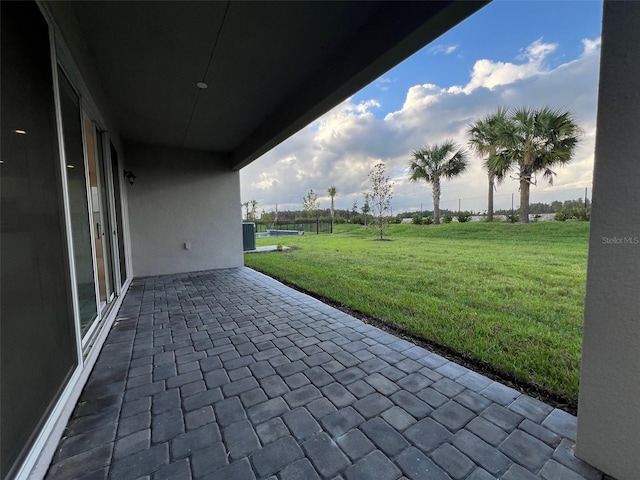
x: 271, y: 67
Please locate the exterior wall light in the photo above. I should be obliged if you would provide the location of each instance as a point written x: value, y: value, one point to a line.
x: 128, y: 174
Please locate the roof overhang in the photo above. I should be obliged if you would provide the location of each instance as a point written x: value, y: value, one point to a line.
x: 271, y: 67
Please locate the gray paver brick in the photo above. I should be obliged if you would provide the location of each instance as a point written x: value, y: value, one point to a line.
x: 505, y: 419
x: 141, y: 463
x: 349, y: 375
x: 209, y: 459
x: 375, y: 465
x: 167, y: 400
x: 302, y: 469
x: 360, y: 388
x: 564, y: 455
x: 198, y: 418
x: 320, y: 408
x: 318, y: 376
x: 500, y: 393
x: 447, y: 387
x: 341, y: 421
x: 414, y: 382
x: 272, y: 430
x: 239, y: 386
x: 431, y: 397
x: 474, y: 381
x: 302, y: 396
x: 411, y: 404
x: 132, y: 443
x: 530, y: 408
x: 541, y: 433
x: 553, y: 470
x: 325, y: 455
x: 381, y: 383
x: 398, y: 418
x: 372, y: 405
x: 526, y: 450
x: 452, y: 461
x: 216, y: 378
x: 178, y: 470
x: 253, y: 397
x: 384, y: 436
x: 230, y: 410
x: 134, y: 423
x: 296, y: 380
x: 516, y: 472
x: 473, y: 401
x: 274, y: 386
x: 240, y: 439
x: 275, y: 456
x: 201, y: 399
x: 452, y: 415
x: 338, y: 395
x: 417, y: 466
x: 195, y: 440
x: 487, y: 431
x: 481, y: 452
x: 166, y: 426
x: 355, y: 444
x: 301, y: 424
x: 267, y: 410
x: 427, y: 435
x: 562, y: 423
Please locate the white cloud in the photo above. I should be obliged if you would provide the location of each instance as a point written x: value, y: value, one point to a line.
x: 490, y: 74
x: 341, y: 147
x: 591, y: 46
x: 446, y: 49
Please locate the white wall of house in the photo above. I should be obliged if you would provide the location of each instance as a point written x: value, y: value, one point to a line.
x: 609, y: 405
x: 182, y: 196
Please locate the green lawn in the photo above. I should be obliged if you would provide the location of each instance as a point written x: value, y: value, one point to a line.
x: 508, y: 295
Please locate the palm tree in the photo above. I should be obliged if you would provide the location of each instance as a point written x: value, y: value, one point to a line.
x: 532, y: 141
x: 431, y: 164
x: 482, y: 138
x: 332, y: 194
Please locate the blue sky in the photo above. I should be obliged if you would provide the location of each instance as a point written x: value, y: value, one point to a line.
x: 510, y: 53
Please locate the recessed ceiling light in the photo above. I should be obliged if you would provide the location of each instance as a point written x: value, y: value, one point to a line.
x: 201, y: 85
x: 70, y: 166
x: 21, y: 132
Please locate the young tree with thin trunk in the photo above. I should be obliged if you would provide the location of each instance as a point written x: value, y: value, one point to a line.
x: 332, y: 194
x: 434, y: 163
x: 380, y: 196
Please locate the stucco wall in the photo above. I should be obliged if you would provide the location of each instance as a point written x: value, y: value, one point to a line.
x: 182, y: 196
x: 609, y: 405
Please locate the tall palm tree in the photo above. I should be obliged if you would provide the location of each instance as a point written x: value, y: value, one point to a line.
x: 482, y: 138
x: 332, y: 194
x: 533, y: 141
x: 431, y: 164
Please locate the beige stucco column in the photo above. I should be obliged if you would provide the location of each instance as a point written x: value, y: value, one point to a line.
x: 609, y: 405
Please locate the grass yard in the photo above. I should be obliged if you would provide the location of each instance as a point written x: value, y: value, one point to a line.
x: 508, y: 295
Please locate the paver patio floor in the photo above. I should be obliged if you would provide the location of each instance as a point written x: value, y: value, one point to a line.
x: 229, y: 374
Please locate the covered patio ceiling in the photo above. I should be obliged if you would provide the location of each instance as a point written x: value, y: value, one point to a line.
x: 270, y: 67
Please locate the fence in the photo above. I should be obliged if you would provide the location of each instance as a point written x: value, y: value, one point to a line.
x: 307, y: 226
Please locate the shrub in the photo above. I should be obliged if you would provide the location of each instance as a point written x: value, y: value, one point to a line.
x: 339, y: 220
x: 580, y: 214
x: 464, y: 217
x: 513, y: 218
x: 427, y: 221
x: 447, y: 218
x: 417, y: 219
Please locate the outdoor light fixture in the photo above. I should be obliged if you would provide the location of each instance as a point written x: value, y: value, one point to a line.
x: 128, y: 174
x: 201, y: 85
